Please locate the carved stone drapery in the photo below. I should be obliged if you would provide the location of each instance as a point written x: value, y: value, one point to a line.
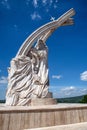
x: 28, y: 72
x: 28, y: 76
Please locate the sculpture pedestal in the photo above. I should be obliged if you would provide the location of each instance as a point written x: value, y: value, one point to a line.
x: 30, y: 117
x: 43, y: 101
x: 49, y: 95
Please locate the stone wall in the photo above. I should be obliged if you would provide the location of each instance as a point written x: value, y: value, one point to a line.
x: 25, y: 117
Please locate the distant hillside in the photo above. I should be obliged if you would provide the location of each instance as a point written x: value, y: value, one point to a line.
x: 2, y: 101
x: 70, y: 100
x: 63, y: 100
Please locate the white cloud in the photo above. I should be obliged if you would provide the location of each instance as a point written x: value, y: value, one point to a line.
x: 6, y: 4
x: 84, y: 91
x: 35, y: 16
x: 46, y: 5
x: 64, y: 91
x: 44, y: 2
x: 27, y: 2
x: 3, y: 80
x: 50, y: 2
x: 56, y: 1
x: 68, y: 91
x: 47, y: 10
x: 55, y: 6
x: 15, y: 26
x: 47, y: 2
x: 56, y: 76
x: 71, y: 88
x: 35, y: 3
x: 83, y: 76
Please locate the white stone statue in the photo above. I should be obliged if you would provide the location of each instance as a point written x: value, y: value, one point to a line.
x: 28, y: 76
x: 28, y: 73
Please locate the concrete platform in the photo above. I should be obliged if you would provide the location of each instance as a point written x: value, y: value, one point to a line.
x: 59, y: 106
x: 28, y: 117
x: 76, y: 126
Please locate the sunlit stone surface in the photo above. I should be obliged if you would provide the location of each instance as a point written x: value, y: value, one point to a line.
x: 28, y: 73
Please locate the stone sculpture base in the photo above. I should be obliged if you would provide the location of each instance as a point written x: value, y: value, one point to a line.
x: 49, y: 95
x: 30, y: 117
x: 43, y: 101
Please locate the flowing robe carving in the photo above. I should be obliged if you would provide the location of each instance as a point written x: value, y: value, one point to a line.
x: 40, y: 70
x: 28, y: 76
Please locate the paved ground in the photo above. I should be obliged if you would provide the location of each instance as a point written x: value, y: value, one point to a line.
x: 3, y: 107
x: 77, y: 126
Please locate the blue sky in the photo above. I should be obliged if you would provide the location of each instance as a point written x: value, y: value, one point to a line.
x: 67, y: 46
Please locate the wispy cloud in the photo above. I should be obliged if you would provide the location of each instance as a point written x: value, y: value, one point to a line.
x: 3, y: 80
x: 64, y: 91
x: 47, y: 2
x: 84, y: 91
x: 35, y: 3
x: 55, y: 6
x: 27, y: 2
x: 46, y: 5
x: 15, y: 26
x: 83, y: 76
x: 44, y: 2
x: 6, y: 4
x: 57, y: 1
x: 50, y: 2
x: 56, y: 76
x: 0, y: 70
x: 35, y: 16
x: 68, y: 90
x: 3, y: 86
